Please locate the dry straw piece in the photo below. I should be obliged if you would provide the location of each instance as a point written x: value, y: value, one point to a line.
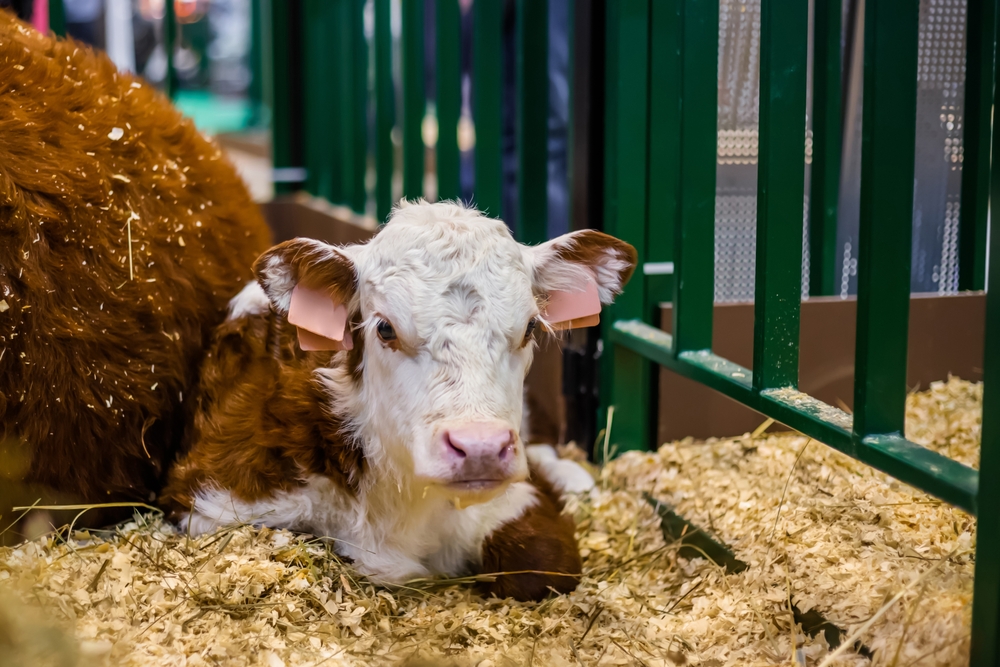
x: 848, y: 543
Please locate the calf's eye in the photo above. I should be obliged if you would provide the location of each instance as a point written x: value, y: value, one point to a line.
x: 385, y: 331
x: 532, y: 323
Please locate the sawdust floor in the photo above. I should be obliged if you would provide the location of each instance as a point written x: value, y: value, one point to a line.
x: 822, y: 537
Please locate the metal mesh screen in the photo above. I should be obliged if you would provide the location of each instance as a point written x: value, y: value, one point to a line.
x: 941, y: 75
x: 938, y: 154
x: 736, y: 171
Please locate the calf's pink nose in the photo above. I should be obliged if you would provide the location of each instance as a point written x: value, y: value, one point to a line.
x: 480, y: 440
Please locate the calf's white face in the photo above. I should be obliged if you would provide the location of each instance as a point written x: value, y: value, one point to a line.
x: 444, y: 306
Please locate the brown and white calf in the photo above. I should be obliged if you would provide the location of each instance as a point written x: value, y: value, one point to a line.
x: 404, y: 445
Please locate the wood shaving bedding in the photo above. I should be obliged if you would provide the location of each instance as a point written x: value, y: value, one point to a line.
x: 847, y: 539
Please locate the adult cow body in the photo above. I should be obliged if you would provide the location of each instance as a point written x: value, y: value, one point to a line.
x: 404, y: 445
x: 123, y: 234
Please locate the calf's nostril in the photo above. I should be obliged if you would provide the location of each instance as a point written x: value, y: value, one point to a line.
x: 455, y: 448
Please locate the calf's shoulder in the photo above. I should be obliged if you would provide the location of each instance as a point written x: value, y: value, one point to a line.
x: 262, y: 424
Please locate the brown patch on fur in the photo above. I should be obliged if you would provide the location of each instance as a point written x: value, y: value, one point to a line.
x: 262, y: 419
x: 100, y: 336
x: 591, y: 248
x: 542, y: 541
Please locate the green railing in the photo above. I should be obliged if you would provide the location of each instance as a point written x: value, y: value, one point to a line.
x: 662, y: 109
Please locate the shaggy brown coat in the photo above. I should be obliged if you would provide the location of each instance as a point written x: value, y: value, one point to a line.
x: 123, y: 234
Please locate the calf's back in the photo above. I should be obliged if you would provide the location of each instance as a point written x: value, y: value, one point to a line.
x: 123, y: 234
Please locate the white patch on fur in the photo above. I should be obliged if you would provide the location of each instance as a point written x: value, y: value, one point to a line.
x: 565, y: 475
x: 280, y: 283
x: 392, y: 535
x: 250, y: 301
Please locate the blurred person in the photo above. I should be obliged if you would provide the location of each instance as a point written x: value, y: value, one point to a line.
x: 83, y: 21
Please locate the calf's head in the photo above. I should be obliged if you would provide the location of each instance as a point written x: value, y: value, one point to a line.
x: 441, y: 311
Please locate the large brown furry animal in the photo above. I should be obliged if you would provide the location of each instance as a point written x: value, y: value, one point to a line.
x: 123, y: 234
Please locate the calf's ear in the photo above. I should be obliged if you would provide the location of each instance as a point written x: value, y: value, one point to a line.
x: 312, y: 283
x: 577, y: 272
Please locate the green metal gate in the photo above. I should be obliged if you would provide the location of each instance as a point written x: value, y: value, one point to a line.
x: 662, y: 133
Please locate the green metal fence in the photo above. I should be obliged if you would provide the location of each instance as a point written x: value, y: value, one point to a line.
x: 321, y: 60
x: 661, y: 191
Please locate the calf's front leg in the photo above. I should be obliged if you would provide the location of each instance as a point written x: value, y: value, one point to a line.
x: 539, y: 546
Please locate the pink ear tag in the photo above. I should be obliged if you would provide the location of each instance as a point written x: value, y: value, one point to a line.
x: 574, y: 310
x: 321, y: 321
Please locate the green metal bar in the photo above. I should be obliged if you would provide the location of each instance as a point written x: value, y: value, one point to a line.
x: 449, y: 94
x: 169, y: 45
x: 694, y: 266
x: 532, y: 120
x: 784, y: 34
x: 627, y: 384
x: 283, y: 118
x: 887, y: 155
x: 487, y: 83
x: 255, y: 91
x: 824, y: 184
x: 979, y: 59
x: 985, y: 649
x: 414, y: 99
x: 948, y: 480
x: 664, y: 149
x: 348, y: 130
x: 609, y: 363
x: 57, y: 17
x: 385, y: 114
x: 322, y: 85
x: 356, y: 155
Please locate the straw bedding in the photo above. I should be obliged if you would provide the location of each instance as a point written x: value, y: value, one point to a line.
x: 819, y: 533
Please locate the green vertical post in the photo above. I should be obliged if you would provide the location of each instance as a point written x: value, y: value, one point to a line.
x: 283, y: 120
x: 355, y: 190
x: 323, y: 122
x: 354, y: 104
x: 57, y: 17
x: 449, y: 96
x: 694, y: 246
x: 626, y: 161
x: 487, y: 87
x: 532, y: 120
x: 255, y: 91
x: 169, y: 46
x: 664, y: 150
x: 384, y: 110
x: 824, y: 185
x: 985, y: 649
x: 979, y: 63
x: 414, y: 99
x: 784, y: 33
x: 886, y: 228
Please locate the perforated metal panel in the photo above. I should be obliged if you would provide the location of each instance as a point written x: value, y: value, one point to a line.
x: 736, y: 173
x: 940, y: 96
x: 938, y: 155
